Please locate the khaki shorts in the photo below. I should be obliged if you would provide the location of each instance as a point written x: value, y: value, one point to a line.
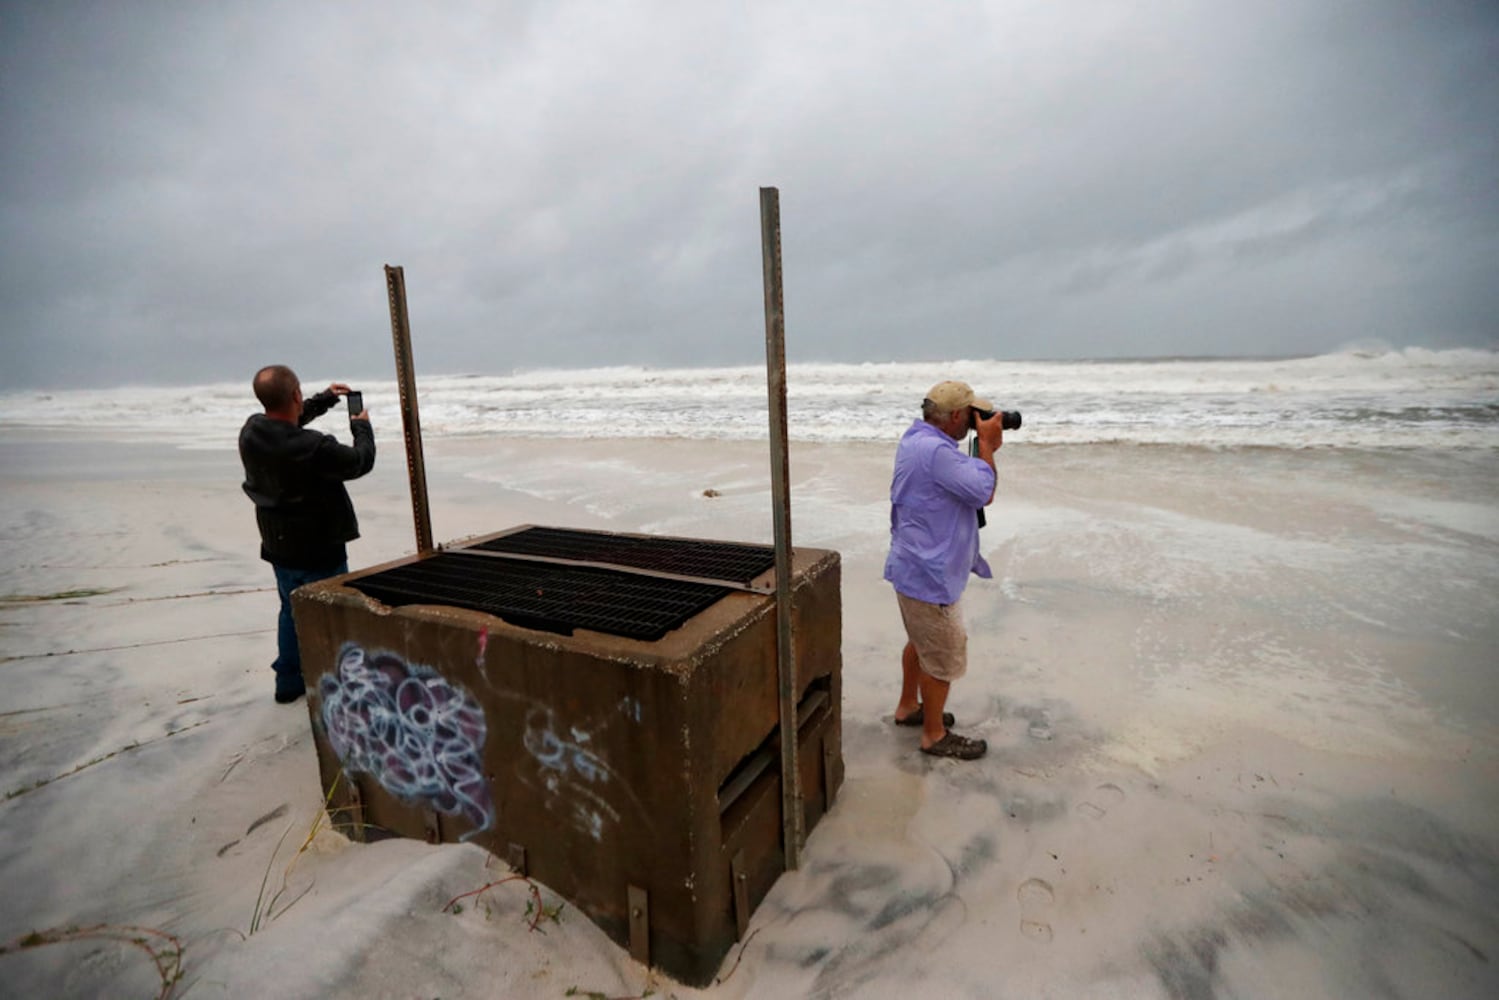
x: 936, y: 630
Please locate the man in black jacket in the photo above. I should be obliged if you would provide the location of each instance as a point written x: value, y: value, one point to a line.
x: 296, y: 478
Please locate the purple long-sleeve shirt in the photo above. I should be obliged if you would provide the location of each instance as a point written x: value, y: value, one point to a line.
x: 934, y: 534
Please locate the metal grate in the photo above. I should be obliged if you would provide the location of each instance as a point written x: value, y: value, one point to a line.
x: 683, y: 556
x: 552, y: 598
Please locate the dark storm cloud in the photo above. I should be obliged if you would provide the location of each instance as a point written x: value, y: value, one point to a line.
x: 191, y: 190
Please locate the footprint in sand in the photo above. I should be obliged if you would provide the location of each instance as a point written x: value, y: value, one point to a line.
x: 1040, y: 727
x: 1035, y: 897
x: 1104, y: 798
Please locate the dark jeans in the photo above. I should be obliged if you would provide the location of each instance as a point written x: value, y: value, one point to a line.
x: 288, y: 657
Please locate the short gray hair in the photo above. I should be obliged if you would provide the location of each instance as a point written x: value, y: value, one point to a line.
x: 932, y: 413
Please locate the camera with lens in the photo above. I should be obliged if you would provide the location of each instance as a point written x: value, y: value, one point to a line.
x: 1009, y: 419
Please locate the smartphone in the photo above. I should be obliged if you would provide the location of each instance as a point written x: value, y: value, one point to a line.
x: 355, y: 402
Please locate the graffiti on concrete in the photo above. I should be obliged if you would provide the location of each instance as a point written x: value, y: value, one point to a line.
x: 411, y: 729
x: 573, y: 776
x: 578, y: 785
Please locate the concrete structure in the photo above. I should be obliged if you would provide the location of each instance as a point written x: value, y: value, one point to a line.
x: 638, y: 779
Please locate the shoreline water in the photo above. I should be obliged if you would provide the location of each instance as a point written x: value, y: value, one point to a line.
x: 1241, y: 705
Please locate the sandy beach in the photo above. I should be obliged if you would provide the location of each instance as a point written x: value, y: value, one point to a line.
x: 1242, y: 704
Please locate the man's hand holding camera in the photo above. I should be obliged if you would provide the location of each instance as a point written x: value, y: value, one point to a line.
x: 351, y: 396
x: 988, y: 427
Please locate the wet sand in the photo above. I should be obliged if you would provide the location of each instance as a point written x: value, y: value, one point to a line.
x: 1242, y: 705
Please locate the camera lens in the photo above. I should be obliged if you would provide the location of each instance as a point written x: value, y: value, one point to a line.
x: 1010, y: 420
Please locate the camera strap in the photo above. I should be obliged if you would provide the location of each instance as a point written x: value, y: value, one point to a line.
x: 973, y: 452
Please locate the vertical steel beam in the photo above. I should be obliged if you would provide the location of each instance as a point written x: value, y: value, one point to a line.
x: 416, y: 468
x: 793, y: 827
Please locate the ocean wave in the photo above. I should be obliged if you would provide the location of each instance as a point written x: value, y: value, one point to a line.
x: 1411, y: 397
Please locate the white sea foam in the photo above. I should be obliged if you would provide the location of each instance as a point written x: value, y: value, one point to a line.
x: 1359, y: 398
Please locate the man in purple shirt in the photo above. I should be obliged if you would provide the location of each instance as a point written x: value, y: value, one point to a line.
x: 935, y: 497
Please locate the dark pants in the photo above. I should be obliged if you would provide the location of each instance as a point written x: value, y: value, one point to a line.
x: 288, y: 657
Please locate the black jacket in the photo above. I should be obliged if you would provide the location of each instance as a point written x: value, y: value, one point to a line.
x: 296, y: 478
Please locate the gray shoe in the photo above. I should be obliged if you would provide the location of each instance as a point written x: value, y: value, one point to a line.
x: 957, y: 747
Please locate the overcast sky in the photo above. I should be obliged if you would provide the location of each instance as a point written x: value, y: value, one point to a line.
x: 191, y: 190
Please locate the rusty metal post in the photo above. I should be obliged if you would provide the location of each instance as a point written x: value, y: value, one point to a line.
x: 793, y: 828
x: 400, y: 330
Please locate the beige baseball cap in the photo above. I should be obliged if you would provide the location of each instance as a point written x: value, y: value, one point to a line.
x: 950, y: 396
